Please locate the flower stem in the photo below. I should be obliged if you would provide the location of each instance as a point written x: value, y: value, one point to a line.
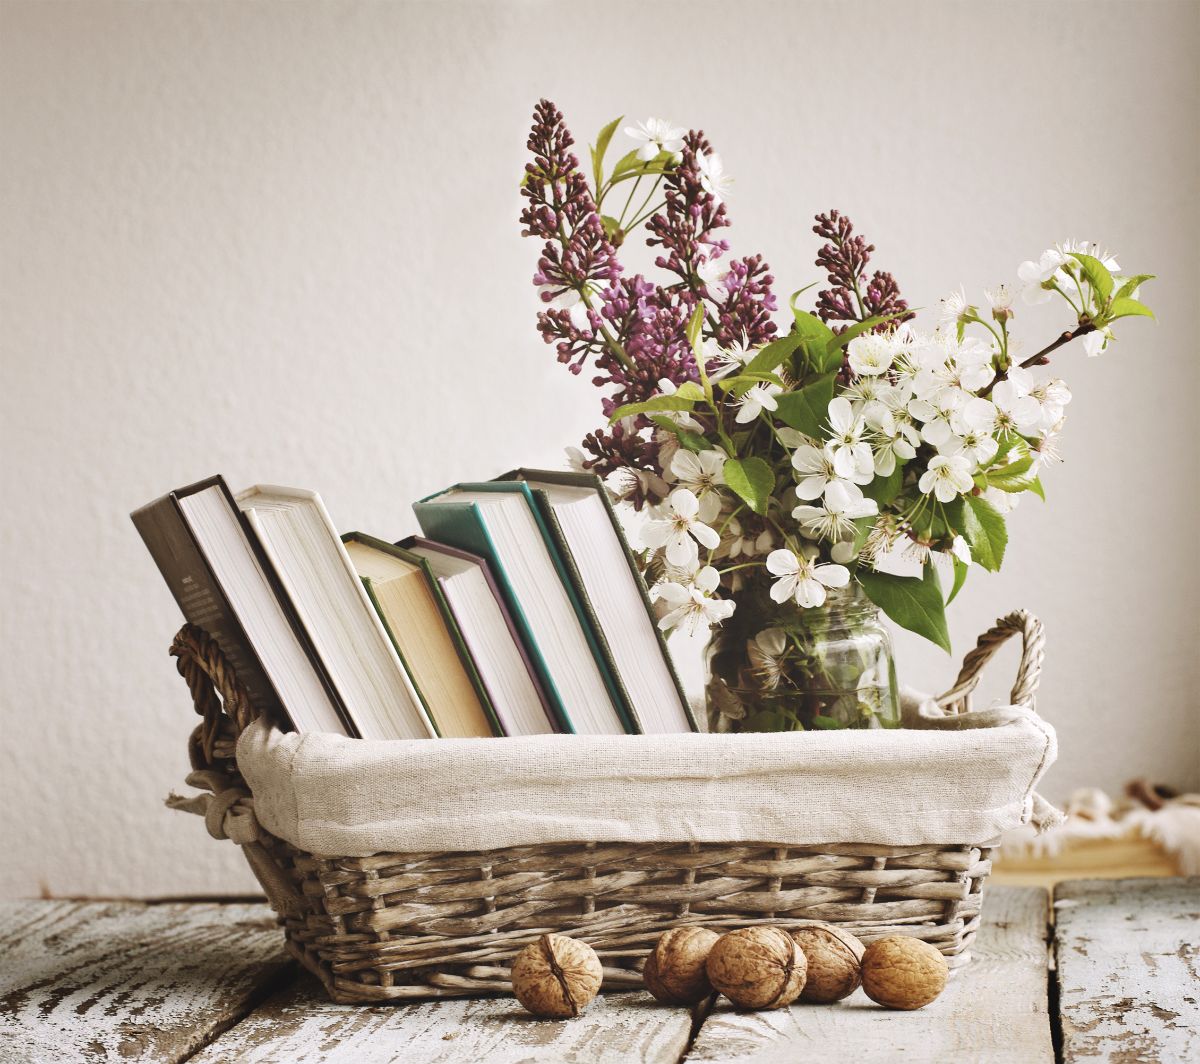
x: 1040, y: 358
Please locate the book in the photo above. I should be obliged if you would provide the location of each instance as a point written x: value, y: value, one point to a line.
x: 491, y: 637
x: 217, y: 574
x: 501, y: 521
x: 304, y: 550
x: 604, y: 571
x: 410, y: 603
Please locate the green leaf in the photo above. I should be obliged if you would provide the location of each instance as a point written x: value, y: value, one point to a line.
x: 826, y: 723
x: 689, y: 440
x: 1013, y: 476
x: 961, y: 569
x: 774, y: 354
x: 694, y: 326
x: 816, y: 337
x: 799, y: 292
x: 842, y: 339
x: 650, y: 406
x: 1035, y: 485
x: 1128, y: 308
x: 690, y: 390
x: 884, y: 489
x: 807, y: 408
x: 752, y: 480
x: 611, y: 227
x: 606, y: 134
x: 626, y: 164
x: 983, y: 529
x: 746, y: 380
x: 1097, y: 276
x: 913, y: 604
x: 1132, y: 284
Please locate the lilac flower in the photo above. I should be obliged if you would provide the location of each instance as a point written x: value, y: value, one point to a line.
x: 853, y: 297
x: 577, y: 260
x: 686, y: 227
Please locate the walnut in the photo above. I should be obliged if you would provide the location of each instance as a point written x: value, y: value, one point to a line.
x: 674, y: 971
x: 556, y: 976
x: 903, y: 973
x: 757, y: 967
x: 834, y: 957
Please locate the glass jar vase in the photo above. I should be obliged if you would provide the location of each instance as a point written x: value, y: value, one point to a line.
x: 781, y: 667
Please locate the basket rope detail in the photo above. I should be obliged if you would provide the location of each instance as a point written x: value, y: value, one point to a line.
x: 397, y: 926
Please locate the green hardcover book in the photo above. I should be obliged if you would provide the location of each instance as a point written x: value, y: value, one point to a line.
x: 414, y: 611
x: 502, y: 522
x: 609, y: 585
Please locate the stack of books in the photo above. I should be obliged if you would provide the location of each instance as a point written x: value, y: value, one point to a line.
x: 520, y: 611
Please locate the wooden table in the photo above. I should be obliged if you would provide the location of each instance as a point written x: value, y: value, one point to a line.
x: 208, y: 982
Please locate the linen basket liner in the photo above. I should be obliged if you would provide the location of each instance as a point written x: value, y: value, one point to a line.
x: 326, y: 794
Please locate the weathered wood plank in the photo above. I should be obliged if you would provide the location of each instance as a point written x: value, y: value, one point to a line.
x: 128, y: 981
x: 993, y: 1011
x: 1128, y: 953
x: 300, y: 1024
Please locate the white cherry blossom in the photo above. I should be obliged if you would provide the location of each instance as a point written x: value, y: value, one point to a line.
x: 936, y: 414
x: 834, y: 518
x: 977, y: 447
x: 894, y: 440
x: 851, y: 452
x: 802, y: 579
x: 656, y: 134
x: 692, y: 607
x: 961, y: 549
x: 679, y: 529
x: 1009, y: 410
x: 946, y: 477
x: 1037, y: 274
x: 1089, y: 247
x: 713, y: 178
x: 699, y: 473
x: 757, y: 399
x: 1096, y: 342
x: 816, y: 470
x: 870, y: 354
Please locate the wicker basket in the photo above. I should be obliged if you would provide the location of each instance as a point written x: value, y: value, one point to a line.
x: 398, y: 926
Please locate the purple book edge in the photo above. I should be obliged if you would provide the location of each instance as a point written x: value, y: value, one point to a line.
x: 454, y: 552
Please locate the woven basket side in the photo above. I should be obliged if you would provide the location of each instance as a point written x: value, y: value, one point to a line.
x: 393, y: 927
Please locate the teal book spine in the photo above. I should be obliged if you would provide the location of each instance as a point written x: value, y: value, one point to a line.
x: 515, y: 487
x: 461, y: 525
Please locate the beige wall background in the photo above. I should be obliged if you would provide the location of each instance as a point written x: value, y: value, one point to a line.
x: 280, y: 241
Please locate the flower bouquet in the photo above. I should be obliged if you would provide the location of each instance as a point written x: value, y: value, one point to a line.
x: 781, y: 473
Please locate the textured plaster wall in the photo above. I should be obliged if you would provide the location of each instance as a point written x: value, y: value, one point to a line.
x: 280, y: 241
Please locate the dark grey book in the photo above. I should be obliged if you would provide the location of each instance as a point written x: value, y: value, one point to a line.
x: 215, y: 569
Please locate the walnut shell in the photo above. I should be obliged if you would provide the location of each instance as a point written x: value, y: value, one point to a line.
x: 903, y: 973
x: 757, y: 967
x: 556, y: 976
x: 834, y: 963
x: 674, y: 971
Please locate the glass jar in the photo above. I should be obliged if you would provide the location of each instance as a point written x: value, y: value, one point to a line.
x: 774, y: 667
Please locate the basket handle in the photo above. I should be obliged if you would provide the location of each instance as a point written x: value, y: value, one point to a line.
x: 217, y: 693
x: 1033, y: 651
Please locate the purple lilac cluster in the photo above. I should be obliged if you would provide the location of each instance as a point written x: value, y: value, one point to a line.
x: 853, y: 297
x: 635, y: 332
x: 576, y: 255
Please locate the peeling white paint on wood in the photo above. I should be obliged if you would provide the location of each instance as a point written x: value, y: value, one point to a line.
x: 300, y: 1024
x: 126, y: 981
x: 993, y: 1011
x: 1128, y: 953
